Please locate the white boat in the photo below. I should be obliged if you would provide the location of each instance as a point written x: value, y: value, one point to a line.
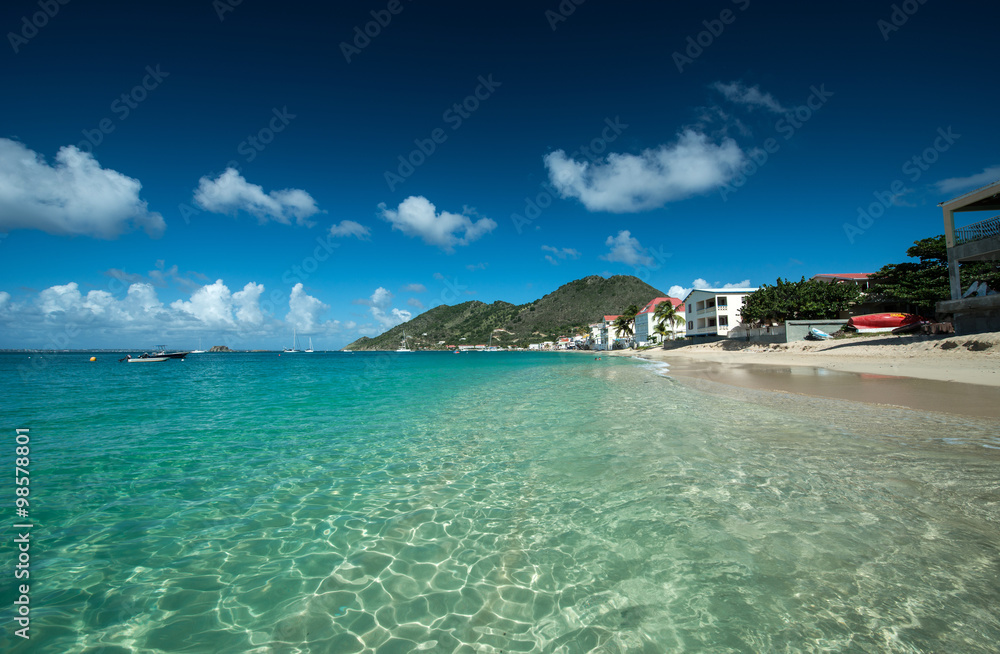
x: 145, y: 358
x: 402, y: 347
x: 310, y: 344
x: 199, y: 350
x: 161, y: 351
x: 294, y: 344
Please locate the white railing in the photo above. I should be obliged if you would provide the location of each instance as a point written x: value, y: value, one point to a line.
x: 978, y: 231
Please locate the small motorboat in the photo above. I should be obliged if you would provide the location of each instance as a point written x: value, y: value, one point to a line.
x: 143, y: 358
x: 161, y: 351
x: 883, y: 322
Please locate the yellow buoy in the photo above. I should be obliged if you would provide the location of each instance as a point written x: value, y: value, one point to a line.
x: 93, y: 358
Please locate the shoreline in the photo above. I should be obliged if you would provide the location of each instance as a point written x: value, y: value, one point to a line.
x: 916, y: 372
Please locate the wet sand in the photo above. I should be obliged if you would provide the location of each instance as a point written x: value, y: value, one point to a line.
x: 958, y: 375
x: 910, y: 392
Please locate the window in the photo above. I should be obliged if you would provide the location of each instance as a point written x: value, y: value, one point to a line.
x: 722, y: 302
x: 690, y: 325
x: 689, y: 308
x: 723, y: 321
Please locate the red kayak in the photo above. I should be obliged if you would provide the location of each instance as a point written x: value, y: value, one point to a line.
x: 883, y: 322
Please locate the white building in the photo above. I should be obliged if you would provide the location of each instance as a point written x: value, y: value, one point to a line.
x: 608, y: 333
x: 645, y: 323
x: 714, y: 311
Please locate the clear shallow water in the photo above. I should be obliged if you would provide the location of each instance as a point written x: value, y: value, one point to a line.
x: 490, y: 503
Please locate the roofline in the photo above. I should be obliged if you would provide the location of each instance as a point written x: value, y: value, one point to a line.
x: 972, y: 196
x: 841, y: 274
x: 720, y: 291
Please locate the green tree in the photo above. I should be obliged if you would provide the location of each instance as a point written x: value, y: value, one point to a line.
x: 662, y: 332
x: 923, y: 283
x: 801, y: 300
x: 666, y: 312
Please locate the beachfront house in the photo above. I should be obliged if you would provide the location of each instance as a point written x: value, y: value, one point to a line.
x: 608, y: 333
x: 974, y: 307
x: 645, y: 322
x: 712, y: 312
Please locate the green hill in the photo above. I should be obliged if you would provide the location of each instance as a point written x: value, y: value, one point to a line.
x: 564, y: 312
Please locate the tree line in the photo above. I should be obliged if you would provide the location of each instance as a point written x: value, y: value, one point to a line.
x: 916, y: 285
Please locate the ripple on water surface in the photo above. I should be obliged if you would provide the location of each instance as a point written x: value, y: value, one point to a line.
x: 488, y: 503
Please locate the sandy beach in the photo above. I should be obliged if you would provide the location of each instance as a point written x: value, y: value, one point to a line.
x: 954, y: 374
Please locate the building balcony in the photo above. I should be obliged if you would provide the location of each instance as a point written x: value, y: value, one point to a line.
x: 984, y: 229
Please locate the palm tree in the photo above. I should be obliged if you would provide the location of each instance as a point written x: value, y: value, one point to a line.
x: 662, y: 332
x: 623, y: 325
x: 666, y: 312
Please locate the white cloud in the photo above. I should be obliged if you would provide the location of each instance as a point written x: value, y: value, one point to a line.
x: 73, y: 197
x: 626, y: 249
x: 305, y: 311
x: 413, y: 302
x: 139, y: 318
x: 211, y: 304
x: 350, y: 228
x: 247, y: 303
x: 417, y: 216
x: 414, y: 288
x: 381, y: 298
x: 751, y: 96
x: 380, y: 302
x: 952, y: 184
x: 64, y: 304
x: 628, y: 183
x: 141, y: 301
x: 230, y: 193
x: 682, y: 291
x: 679, y: 292
x: 559, y: 254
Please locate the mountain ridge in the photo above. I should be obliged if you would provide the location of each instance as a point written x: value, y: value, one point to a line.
x: 566, y: 311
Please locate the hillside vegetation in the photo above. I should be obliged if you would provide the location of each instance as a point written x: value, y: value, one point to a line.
x: 564, y: 312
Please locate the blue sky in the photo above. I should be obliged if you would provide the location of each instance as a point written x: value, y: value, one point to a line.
x: 224, y: 173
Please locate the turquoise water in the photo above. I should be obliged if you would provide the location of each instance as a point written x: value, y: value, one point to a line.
x: 488, y: 503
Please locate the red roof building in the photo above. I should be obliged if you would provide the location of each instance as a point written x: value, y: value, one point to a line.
x: 645, y: 321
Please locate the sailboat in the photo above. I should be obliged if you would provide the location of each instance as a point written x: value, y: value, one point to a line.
x: 402, y: 347
x: 199, y: 350
x: 292, y: 349
x: 310, y: 344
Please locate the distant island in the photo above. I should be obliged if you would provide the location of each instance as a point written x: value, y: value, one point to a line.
x: 220, y: 348
x: 566, y: 311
